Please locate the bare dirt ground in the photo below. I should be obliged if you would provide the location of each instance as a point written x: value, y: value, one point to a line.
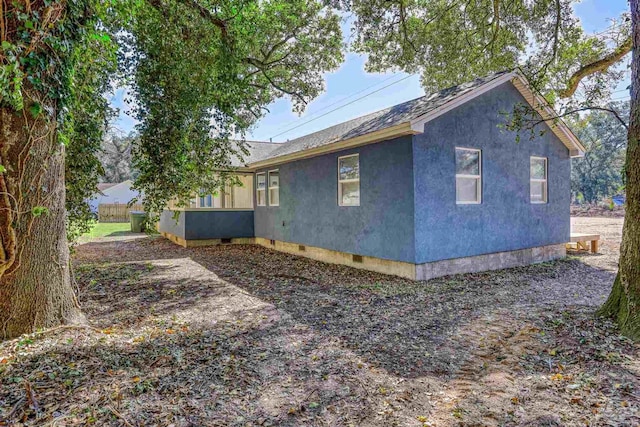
x: 245, y: 336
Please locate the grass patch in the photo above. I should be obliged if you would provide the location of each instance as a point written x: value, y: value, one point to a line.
x: 104, y: 229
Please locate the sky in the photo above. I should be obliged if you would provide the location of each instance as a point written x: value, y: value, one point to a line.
x: 345, y: 86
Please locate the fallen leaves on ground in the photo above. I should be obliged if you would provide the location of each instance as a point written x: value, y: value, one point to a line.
x: 245, y: 336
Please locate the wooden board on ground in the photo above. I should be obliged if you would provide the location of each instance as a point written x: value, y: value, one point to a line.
x: 581, y: 239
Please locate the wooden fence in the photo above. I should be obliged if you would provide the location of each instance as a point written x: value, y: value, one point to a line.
x: 118, y: 212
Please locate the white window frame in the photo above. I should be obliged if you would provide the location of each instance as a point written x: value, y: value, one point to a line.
x: 344, y: 181
x: 545, y: 180
x: 477, y: 177
x: 269, y: 187
x: 264, y: 190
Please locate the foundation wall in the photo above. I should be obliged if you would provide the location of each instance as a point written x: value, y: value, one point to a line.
x: 426, y: 271
x: 486, y: 262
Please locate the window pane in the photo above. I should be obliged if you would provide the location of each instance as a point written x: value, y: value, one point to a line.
x: 260, y: 197
x: 205, y: 201
x: 274, y: 197
x: 538, y: 191
x: 349, y: 168
x: 538, y: 168
x: 274, y: 179
x: 467, y: 190
x: 467, y: 162
x: 261, y: 181
x: 350, y: 193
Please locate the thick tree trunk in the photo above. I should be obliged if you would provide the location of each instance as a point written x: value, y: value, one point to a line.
x: 36, y: 290
x: 623, y: 304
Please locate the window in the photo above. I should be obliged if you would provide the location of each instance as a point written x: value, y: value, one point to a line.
x: 349, y: 180
x: 538, y: 173
x: 261, y: 189
x: 468, y: 176
x: 206, y: 201
x: 274, y: 188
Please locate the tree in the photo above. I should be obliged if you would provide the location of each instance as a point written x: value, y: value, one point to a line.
x: 450, y: 42
x: 203, y: 70
x: 599, y: 173
x: 242, y: 56
x: 116, y: 160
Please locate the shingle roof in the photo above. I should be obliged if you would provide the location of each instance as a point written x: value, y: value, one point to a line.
x: 104, y: 185
x: 257, y: 150
x: 379, y: 120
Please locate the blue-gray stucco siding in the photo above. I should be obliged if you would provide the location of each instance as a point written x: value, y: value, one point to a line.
x: 506, y: 219
x: 408, y: 210
x: 194, y: 225
x: 382, y: 226
x: 171, y: 224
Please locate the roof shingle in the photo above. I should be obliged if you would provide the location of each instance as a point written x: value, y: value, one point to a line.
x: 379, y: 120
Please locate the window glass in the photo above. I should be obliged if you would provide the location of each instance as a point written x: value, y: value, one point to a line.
x: 467, y: 190
x: 274, y: 190
x: 350, y: 193
x: 349, y: 168
x: 467, y: 162
x: 538, y: 180
x: 538, y: 168
x: 274, y: 179
x: 261, y: 193
x: 538, y: 190
x: 468, y: 176
x: 349, y: 180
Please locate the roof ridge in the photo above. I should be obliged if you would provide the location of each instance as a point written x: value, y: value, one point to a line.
x: 425, y: 96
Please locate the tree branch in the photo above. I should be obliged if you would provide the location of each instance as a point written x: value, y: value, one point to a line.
x: 202, y: 11
x: 600, y: 65
x: 577, y: 110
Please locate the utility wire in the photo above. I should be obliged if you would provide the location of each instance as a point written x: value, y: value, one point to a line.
x: 340, y: 100
x: 342, y: 106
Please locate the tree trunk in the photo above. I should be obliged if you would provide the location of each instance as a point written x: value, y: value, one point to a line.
x: 36, y: 290
x: 623, y: 304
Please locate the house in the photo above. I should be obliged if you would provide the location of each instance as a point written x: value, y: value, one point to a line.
x: 430, y: 187
x: 113, y: 193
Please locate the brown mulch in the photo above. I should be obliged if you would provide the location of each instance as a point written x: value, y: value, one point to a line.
x: 597, y: 211
x: 246, y: 336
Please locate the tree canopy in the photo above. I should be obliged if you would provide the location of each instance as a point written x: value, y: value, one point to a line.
x: 599, y: 173
x: 203, y: 73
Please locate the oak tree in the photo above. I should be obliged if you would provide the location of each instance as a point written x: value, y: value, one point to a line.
x: 201, y: 71
x: 452, y: 41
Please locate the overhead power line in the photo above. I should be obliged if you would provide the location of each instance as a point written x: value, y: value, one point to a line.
x: 344, y: 105
x: 340, y: 100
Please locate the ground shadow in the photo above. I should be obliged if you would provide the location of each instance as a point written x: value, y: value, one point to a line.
x: 276, y: 339
x: 409, y: 328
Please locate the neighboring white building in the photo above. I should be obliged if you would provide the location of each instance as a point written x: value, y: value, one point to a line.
x: 110, y: 193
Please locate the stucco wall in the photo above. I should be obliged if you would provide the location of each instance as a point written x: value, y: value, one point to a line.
x: 168, y: 224
x: 382, y: 226
x: 506, y: 220
x: 197, y: 225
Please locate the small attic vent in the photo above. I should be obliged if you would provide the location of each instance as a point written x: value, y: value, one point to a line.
x: 302, y: 248
x: 356, y: 258
x: 225, y: 241
x: 272, y: 242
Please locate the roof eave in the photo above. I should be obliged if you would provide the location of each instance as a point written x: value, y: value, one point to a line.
x: 556, y: 124
x: 395, y: 131
x: 418, y: 123
x: 537, y: 102
x: 416, y: 126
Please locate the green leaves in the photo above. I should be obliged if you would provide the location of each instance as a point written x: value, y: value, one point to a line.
x: 39, y: 210
x: 205, y: 75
